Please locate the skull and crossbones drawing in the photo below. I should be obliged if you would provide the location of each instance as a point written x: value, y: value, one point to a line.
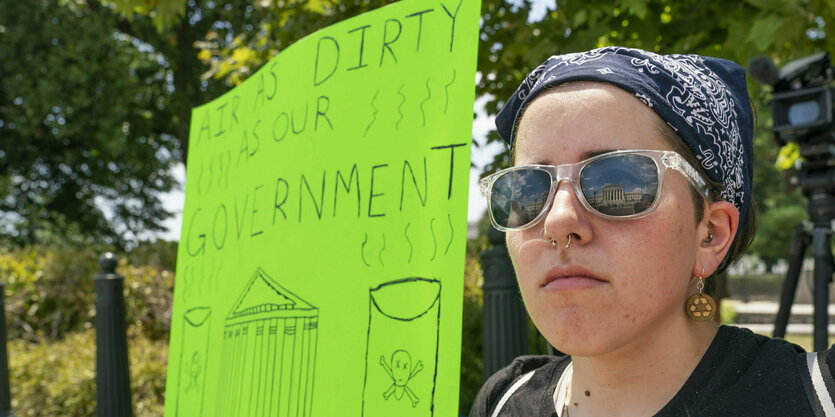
x: 195, y: 370
x: 401, y: 372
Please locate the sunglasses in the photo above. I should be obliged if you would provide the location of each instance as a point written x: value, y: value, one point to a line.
x: 619, y: 185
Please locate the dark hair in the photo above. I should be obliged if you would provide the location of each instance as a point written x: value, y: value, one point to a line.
x: 745, y: 232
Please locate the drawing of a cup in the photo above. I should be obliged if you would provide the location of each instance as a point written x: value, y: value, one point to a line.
x: 192, y: 375
x: 402, y: 348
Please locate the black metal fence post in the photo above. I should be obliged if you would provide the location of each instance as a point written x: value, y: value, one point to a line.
x: 505, y: 319
x: 5, y: 395
x: 113, y: 395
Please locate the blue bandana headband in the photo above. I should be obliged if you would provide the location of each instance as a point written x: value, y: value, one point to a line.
x: 703, y: 99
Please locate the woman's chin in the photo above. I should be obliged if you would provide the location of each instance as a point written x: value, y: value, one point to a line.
x: 579, y: 334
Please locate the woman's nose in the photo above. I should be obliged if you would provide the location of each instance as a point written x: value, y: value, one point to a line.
x: 567, y: 216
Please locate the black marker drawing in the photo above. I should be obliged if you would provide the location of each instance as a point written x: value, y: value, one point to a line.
x: 452, y: 15
x: 401, y: 372
x: 434, y: 239
x: 186, y: 284
x: 200, y: 179
x: 269, y: 352
x: 446, y: 90
x: 196, y: 367
x: 380, y: 254
x: 192, y: 374
x: 362, y: 250
x: 428, y: 97
x: 374, y: 115
x: 224, y: 168
x: 211, y: 174
x: 401, y: 353
x: 400, y: 108
x: 409, y: 242
x: 406, y: 233
x: 451, y: 234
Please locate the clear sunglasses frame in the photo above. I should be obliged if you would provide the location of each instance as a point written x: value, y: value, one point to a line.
x: 571, y: 172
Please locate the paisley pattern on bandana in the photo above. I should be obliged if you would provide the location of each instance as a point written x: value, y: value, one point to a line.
x: 704, y: 101
x: 708, y: 110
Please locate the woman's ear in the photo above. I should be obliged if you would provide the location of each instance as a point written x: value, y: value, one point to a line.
x: 716, y: 235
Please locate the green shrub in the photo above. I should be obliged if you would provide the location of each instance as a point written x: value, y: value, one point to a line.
x: 49, y: 291
x: 729, y: 314
x: 149, y: 295
x: 52, y: 379
x: 472, y: 364
x: 51, y: 312
x: 58, y: 378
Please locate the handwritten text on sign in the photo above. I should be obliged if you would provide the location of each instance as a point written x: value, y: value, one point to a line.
x: 324, y: 225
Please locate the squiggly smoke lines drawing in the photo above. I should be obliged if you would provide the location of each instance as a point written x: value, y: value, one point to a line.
x: 211, y: 174
x: 429, y: 96
x: 411, y: 243
x: 380, y: 254
x: 434, y: 239
x: 200, y: 179
x: 451, y: 233
x: 228, y: 158
x: 374, y: 115
x: 446, y: 89
x: 399, y: 108
x: 362, y: 250
x: 411, y: 249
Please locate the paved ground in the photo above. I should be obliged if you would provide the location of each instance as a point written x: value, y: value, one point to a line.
x: 759, y: 317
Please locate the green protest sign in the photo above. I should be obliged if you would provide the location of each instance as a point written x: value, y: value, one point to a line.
x: 320, y: 269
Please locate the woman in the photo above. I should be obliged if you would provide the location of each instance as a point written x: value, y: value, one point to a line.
x: 631, y: 186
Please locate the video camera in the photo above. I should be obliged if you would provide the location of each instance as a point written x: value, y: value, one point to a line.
x: 802, y: 105
x: 802, y: 102
x: 802, y: 113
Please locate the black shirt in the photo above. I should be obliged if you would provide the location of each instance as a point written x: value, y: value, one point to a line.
x: 741, y: 374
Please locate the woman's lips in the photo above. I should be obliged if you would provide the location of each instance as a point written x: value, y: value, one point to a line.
x: 570, y: 279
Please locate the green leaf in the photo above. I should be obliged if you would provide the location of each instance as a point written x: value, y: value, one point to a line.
x: 636, y: 7
x: 579, y: 18
x: 317, y: 6
x: 789, y: 155
x: 768, y: 4
x: 762, y: 31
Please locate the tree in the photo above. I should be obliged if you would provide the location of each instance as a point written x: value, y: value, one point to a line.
x: 76, y: 118
x: 785, y: 30
x: 162, y: 57
x: 94, y: 110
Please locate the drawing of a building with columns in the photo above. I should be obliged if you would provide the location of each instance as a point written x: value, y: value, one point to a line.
x: 269, y: 353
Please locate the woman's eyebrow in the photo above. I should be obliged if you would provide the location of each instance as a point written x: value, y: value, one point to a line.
x: 593, y: 153
x: 585, y: 155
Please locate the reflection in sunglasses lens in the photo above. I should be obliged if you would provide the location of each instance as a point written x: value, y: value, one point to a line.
x: 621, y: 185
x: 519, y: 196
